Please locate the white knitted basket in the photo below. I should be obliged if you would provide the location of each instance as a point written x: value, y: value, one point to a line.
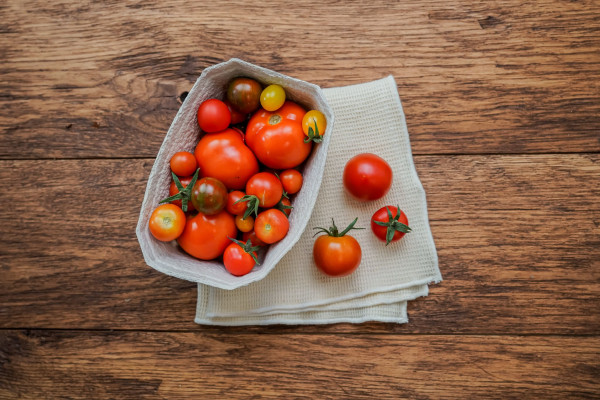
x: 183, y: 135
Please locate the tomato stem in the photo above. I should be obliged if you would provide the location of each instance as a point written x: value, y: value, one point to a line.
x: 393, y: 225
x: 333, y: 230
x: 253, y: 202
x: 248, y: 248
x: 313, y: 135
x: 185, y: 194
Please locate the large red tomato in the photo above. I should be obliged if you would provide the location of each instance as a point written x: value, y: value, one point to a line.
x: 277, y: 137
x: 224, y: 156
x: 367, y: 177
x: 207, y: 236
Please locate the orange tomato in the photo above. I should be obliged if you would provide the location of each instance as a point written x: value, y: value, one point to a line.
x: 271, y: 226
x: 167, y: 222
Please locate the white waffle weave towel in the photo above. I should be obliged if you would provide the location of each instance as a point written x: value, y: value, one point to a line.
x: 369, y: 119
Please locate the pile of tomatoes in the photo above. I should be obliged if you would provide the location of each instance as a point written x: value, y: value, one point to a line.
x: 232, y: 196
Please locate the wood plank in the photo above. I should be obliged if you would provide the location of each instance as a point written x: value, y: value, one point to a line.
x: 42, y: 364
x: 103, y: 79
x: 518, y: 240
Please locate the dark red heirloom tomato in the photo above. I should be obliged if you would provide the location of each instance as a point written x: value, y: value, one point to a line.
x: 244, y: 94
x: 224, y: 156
x: 367, y: 177
x: 277, y: 137
x: 206, y: 236
x: 213, y: 115
x: 209, y: 196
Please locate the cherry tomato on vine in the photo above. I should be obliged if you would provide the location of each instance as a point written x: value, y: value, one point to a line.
x: 209, y: 196
x: 206, y: 236
x: 244, y: 94
x: 232, y: 206
x: 389, y: 224
x: 276, y: 137
x: 244, y: 224
x: 367, y: 177
x: 291, y: 180
x: 239, y: 258
x: 173, y: 191
x: 224, y: 156
x: 337, y: 254
x: 272, y: 97
x: 167, y: 222
x: 213, y: 116
x: 183, y: 163
x: 262, y: 190
x: 314, y: 124
x: 271, y: 226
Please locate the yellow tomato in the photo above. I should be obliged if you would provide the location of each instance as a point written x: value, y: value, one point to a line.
x: 309, y: 122
x: 244, y: 225
x: 272, y: 97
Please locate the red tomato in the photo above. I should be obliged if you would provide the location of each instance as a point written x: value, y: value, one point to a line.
x: 232, y: 207
x: 213, y: 116
x: 244, y: 94
x: 206, y: 236
x: 236, y: 116
x: 285, y: 205
x: 173, y: 191
x: 209, y: 196
x: 291, y: 181
x: 277, y: 137
x: 337, y: 254
x: 266, y: 187
x: 183, y: 163
x: 167, y: 222
x: 239, y: 258
x: 224, y: 156
x: 367, y: 177
x: 251, y: 236
x: 271, y: 226
x: 389, y: 224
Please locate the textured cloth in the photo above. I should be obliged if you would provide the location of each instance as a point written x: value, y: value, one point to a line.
x: 369, y: 119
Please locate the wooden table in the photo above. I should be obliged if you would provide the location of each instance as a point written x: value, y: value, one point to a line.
x: 502, y: 101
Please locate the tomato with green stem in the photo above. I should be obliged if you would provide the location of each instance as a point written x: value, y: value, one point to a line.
x: 337, y: 254
x: 285, y: 205
x: 167, y: 222
x: 262, y: 190
x: 239, y: 258
x: 183, y: 194
x: 233, y: 205
x: 389, y: 224
x: 314, y: 124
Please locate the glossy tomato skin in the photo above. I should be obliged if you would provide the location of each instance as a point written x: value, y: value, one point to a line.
x: 367, y: 177
x: 267, y: 187
x: 271, y: 226
x: 213, y: 116
x: 277, y: 138
x: 291, y: 180
x: 337, y: 256
x: 312, y: 117
x: 207, y: 236
x: 167, y: 222
x: 244, y: 94
x: 183, y: 163
x: 381, y: 215
x: 272, y: 97
x: 224, y: 156
x: 237, y: 261
x: 232, y: 207
x: 209, y: 196
x: 173, y: 191
x: 244, y: 224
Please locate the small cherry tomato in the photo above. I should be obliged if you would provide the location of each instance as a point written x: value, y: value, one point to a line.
x: 209, y: 196
x: 291, y: 181
x: 367, y: 177
x: 244, y: 94
x: 236, y: 116
x: 213, y: 116
x: 271, y: 226
x: 232, y: 206
x: 389, y: 224
x: 239, y: 258
x: 314, y: 125
x: 206, y: 236
x: 285, y: 205
x: 251, y: 236
x: 262, y: 190
x: 173, y: 191
x: 272, y: 97
x: 337, y: 254
x: 244, y: 224
x: 167, y: 222
x: 183, y: 163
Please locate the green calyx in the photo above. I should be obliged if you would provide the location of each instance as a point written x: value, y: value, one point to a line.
x: 393, y: 225
x: 248, y: 248
x: 253, y: 203
x: 313, y: 135
x: 333, y: 230
x: 283, y: 207
x: 185, y: 194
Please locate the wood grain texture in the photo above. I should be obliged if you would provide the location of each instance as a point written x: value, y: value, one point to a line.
x: 194, y: 365
x: 518, y: 240
x: 101, y: 79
